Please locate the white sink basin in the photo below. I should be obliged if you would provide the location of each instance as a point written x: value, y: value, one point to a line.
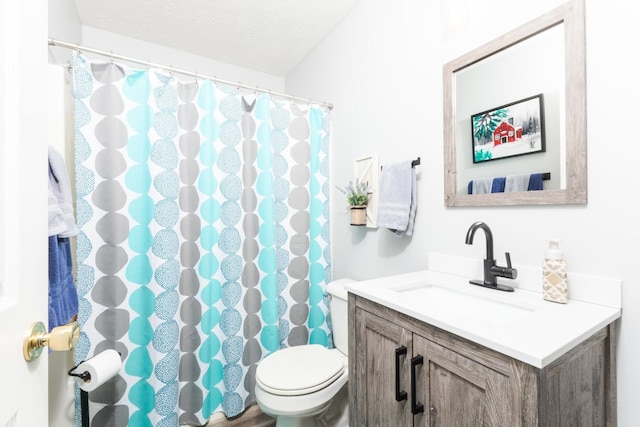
x: 443, y: 301
x: 519, y: 324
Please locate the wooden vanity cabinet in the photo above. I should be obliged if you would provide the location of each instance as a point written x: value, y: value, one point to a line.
x: 404, y: 372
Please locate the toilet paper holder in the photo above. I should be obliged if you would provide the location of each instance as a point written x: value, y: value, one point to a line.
x: 84, y: 396
x: 85, y: 377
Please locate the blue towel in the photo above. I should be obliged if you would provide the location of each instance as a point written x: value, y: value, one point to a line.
x: 498, y: 185
x: 63, y: 294
x: 535, y: 182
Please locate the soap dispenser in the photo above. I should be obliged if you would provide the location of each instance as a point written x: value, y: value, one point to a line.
x: 554, y: 274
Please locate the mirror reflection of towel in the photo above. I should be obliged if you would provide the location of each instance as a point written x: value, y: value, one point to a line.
x: 506, y: 184
x: 535, y: 182
x: 481, y: 186
x: 517, y: 183
x: 497, y: 186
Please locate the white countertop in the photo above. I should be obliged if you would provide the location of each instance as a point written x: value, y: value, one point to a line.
x: 520, y: 324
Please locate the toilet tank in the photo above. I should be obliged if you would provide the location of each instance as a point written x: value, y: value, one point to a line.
x: 339, y: 314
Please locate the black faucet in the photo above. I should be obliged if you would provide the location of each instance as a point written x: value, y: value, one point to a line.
x: 491, y: 270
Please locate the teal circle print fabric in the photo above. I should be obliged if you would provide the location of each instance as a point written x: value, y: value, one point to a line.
x: 204, y: 242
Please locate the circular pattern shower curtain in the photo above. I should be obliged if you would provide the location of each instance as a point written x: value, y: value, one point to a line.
x: 204, y: 242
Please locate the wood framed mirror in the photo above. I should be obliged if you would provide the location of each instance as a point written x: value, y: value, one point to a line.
x: 548, y: 57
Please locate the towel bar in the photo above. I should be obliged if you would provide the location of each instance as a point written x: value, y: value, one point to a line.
x: 414, y: 163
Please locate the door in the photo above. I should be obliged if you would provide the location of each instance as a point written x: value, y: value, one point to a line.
x: 23, y: 209
x: 458, y: 391
x: 383, y: 354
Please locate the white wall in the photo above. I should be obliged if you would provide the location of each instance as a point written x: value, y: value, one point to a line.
x: 382, y: 69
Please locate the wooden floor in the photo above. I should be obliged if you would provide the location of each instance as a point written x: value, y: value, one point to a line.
x: 251, y: 417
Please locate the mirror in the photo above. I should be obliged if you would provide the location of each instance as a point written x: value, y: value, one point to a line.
x: 545, y: 57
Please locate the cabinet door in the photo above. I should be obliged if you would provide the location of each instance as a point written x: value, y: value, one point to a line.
x: 457, y: 391
x: 376, y: 384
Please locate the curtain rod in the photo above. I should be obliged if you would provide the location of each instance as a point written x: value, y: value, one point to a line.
x: 58, y: 43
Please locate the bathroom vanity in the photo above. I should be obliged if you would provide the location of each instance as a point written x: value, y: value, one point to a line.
x: 426, y: 349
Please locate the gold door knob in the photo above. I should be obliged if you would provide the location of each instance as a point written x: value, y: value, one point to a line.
x: 61, y: 338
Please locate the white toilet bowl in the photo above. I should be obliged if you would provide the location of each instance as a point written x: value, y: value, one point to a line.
x: 298, y: 384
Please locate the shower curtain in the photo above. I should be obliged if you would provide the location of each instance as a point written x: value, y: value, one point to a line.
x: 204, y: 242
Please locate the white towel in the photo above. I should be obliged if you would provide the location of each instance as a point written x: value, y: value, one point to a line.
x: 60, y: 186
x: 396, y: 187
x: 482, y: 186
x: 516, y: 183
x: 412, y: 209
x: 56, y: 217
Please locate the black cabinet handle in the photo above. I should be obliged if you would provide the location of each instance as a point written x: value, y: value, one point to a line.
x: 416, y: 407
x: 400, y: 394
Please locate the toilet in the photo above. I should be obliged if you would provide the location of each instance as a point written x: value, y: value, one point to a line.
x: 297, y: 385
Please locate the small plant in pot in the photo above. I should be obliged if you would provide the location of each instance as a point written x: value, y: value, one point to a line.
x: 358, y: 195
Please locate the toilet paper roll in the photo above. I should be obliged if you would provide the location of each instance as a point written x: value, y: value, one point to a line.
x: 101, y: 368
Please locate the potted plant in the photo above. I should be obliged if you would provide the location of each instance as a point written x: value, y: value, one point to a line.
x: 357, y: 197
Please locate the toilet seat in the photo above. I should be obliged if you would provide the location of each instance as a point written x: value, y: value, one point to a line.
x: 299, y: 370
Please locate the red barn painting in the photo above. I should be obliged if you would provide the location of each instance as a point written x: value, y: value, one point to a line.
x: 506, y: 132
x: 510, y: 130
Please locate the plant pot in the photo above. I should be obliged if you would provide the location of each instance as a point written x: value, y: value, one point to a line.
x: 358, y: 215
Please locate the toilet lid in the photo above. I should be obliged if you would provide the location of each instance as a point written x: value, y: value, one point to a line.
x: 299, y: 370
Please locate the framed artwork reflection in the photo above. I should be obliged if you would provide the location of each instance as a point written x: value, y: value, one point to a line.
x: 509, y: 130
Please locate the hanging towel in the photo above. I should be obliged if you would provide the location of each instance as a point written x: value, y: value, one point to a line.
x: 396, y: 187
x: 535, y: 182
x: 61, y: 189
x: 56, y: 217
x: 481, y: 186
x: 516, y: 183
x: 63, y: 294
x: 497, y: 186
x: 412, y: 209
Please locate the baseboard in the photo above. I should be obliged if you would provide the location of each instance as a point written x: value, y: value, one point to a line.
x: 252, y: 416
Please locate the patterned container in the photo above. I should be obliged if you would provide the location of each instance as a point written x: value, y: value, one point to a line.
x: 554, y: 280
x: 554, y: 274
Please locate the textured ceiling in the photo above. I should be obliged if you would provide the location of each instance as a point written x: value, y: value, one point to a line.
x: 271, y: 36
